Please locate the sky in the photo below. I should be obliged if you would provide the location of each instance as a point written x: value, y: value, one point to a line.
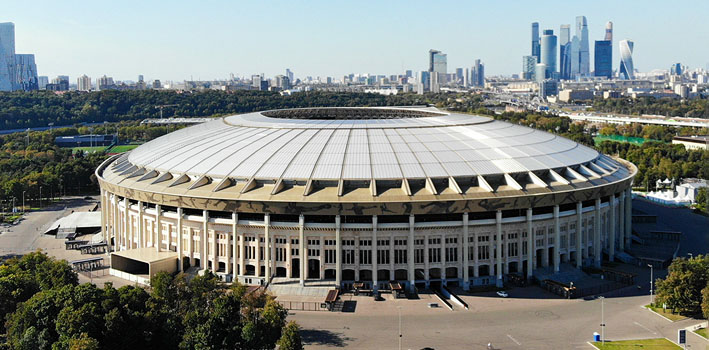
x: 209, y: 39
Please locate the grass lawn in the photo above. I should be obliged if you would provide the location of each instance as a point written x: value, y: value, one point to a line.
x: 619, y: 138
x: 89, y: 149
x: 703, y: 332
x: 122, y: 148
x: 654, y: 344
x: 668, y: 314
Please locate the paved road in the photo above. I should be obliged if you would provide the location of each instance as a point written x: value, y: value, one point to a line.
x: 506, y: 323
x: 694, y: 227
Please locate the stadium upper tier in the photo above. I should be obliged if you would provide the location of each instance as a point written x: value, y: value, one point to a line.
x: 349, y: 154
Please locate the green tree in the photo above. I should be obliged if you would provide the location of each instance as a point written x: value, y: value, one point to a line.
x: 681, y: 290
x: 705, y: 302
x: 290, y: 340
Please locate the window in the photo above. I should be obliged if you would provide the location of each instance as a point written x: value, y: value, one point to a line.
x: 419, y: 241
x: 313, y: 252
x: 400, y: 242
x: 451, y: 240
x: 280, y: 254
x: 365, y: 257
x: 434, y: 255
x: 382, y: 257
x: 294, y: 241
x: 294, y: 252
x: 382, y: 242
x: 365, y: 242
x: 512, y: 249
x: 313, y: 242
x: 484, y: 252
x: 418, y: 256
x: 434, y: 241
x: 452, y: 254
x: 348, y: 242
x: 348, y: 256
x: 400, y: 256
x: 330, y: 256
x: 330, y: 242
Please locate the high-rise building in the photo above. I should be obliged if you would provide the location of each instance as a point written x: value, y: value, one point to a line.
x: 580, y: 57
x: 437, y: 62
x: 626, y: 70
x: 17, y: 71
x: 83, y: 83
x: 42, y: 81
x: 290, y: 75
x: 466, y: 77
x: 528, y: 65
x: 535, y: 41
x: 104, y: 83
x: 7, y: 56
x: 549, y: 52
x: 676, y: 69
x: 157, y: 84
x: 609, y: 31
x: 459, y: 75
x: 565, y: 51
x: 60, y: 83
x: 603, y: 59
x: 540, y: 71
x: 477, y: 74
x: 25, y: 72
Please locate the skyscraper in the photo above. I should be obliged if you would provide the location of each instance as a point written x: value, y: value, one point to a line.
x: 17, y: 71
x: 528, y: 65
x: 438, y: 67
x: 565, y: 51
x: 603, y: 59
x: 290, y: 76
x: 540, y: 71
x: 459, y: 75
x: 609, y: 31
x: 549, y: 52
x: 676, y: 69
x: 580, y: 57
x: 535, y: 41
x: 626, y: 70
x: 477, y: 74
x: 83, y: 83
x: 7, y: 57
x: 25, y: 72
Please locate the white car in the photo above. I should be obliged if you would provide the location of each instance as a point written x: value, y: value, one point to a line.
x: 503, y: 294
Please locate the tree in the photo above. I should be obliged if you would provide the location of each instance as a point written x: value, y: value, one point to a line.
x: 705, y: 302
x: 290, y: 340
x: 681, y: 290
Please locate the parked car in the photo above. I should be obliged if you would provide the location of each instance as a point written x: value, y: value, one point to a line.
x: 503, y: 294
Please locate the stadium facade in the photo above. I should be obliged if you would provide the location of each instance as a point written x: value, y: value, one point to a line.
x: 415, y: 195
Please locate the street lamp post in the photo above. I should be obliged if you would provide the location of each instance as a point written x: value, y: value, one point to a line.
x: 603, y: 324
x: 399, y: 307
x: 40, y: 196
x: 651, y: 285
x: 23, y: 202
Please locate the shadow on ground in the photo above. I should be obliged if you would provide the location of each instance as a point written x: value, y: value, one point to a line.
x: 324, y: 337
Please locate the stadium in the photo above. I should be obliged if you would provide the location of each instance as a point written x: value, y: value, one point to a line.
x: 370, y: 195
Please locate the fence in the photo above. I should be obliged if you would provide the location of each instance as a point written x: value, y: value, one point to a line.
x: 303, y: 305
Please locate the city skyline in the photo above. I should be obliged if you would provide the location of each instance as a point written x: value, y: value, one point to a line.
x: 124, y: 41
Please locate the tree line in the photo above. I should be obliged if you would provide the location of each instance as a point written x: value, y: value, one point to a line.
x: 686, y: 287
x: 20, y: 109
x: 44, y: 307
x: 669, y: 107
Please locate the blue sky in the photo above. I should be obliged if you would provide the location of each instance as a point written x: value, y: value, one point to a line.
x: 208, y: 39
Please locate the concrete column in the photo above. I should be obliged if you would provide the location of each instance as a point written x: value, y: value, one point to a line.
x: 179, y: 239
x: 128, y: 228
x: 375, y: 251
x: 557, y: 239
x: 321, y: 258
x: 466, y: 247
x: 215, y: 251
x: 268, y: 246
x: 289, y: 256
x: 235, y: 246
x: 259, y: 257
x: 104, y: 211
x: 410, y: 253
x: 614, y: 224
x: 141, y: 226
x: 597, y: 233
x: 628, y: 218
x: 302, y: 250
x: 621, y: 222
x: 115, y: 224
x: 442, y: 252
x: 579, y: 234
x: 498, y: 235
x: 426, y: 257
x: 242, y: 248
x: 338, y: 253
x: 476, y: 257
x: 157, y: 240
x: 203, y: 256
x: 356, y: 258
x: 530, y: 244
x: 392, y: 238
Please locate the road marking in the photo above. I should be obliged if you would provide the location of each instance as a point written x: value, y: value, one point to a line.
x: 645, y: 328
x: 514, y: 340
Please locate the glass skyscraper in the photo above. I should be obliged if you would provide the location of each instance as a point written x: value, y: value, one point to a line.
x: 549, y: 52
x: 603, y: 59
x: 580, y: 57
x: 626, y: 70
x: 17, y: 72
x: 535, y: 41
x: 565, y: 51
